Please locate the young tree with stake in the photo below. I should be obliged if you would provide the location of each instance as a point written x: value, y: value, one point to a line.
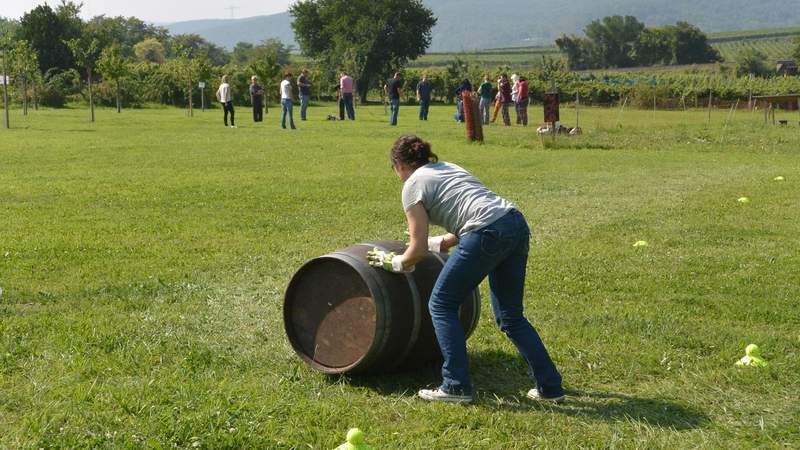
x: 85, y: 53
x: 113, y: 66
x: 25, y: 65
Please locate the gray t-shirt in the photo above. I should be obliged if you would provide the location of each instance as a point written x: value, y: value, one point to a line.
x: 453, y: 198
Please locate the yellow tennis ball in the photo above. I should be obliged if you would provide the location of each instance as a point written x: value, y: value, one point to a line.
x: 355, y: 436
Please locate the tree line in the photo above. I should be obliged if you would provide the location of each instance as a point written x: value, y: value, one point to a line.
x: 55, y: 56
x: 620, y: 42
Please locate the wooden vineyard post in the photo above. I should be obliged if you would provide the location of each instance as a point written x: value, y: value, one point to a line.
x: 476, y: 117
x: 551, y: 113
x: 472, y: 120
x: 710, y: 99
x: 577, y: 109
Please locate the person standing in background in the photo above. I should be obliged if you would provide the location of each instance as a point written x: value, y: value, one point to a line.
x: 424, y: 89
x: 346, y: 90
x: 465, y: 86
x: 514, y: 88
x: 522, y: 102
x: 485, y: 91
x: 339, y: 102
x: 257, y: 99
x: 225, y: 97
x: 304, y: 86
x: 393, y: 87
x: 505, y: 98
x: 498, y: 103
x: 286, y: 101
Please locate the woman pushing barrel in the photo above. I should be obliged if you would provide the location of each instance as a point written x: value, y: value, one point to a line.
x: 491, y: 238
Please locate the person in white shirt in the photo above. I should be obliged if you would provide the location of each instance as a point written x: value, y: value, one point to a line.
x: 286, y: 101
x: 224, y: 96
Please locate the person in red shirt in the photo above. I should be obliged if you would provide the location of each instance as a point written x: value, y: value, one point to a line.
x: 505, y: 98
x: 522, y: 102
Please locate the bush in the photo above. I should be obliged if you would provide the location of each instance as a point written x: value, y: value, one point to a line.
x: 57, y: 86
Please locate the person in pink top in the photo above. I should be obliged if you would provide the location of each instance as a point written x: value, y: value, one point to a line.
x: 346, y: 91
x: 522, y: 102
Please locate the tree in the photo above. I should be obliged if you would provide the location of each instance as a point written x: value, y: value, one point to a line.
x: 47, y: 30
x: 751, y: 61
x: 85, y: 53
x: 190, y: 69
x: 196, y: 46
x: 654, y: 46
x: 8, y: 27
x: 5, y: 46
x: 615, y: 37
x: 113, y: 66
x: 25, y: 66
x: 618, y: 41
x: 150, y: 50
x: 241, y: 54
x: 691, y: 45
x: 125, y: 31
x: 581, y: 52
x: 374, y: 37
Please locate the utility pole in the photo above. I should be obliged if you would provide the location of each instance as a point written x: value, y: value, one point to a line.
x: 232, y: 8
x: 5, y: 87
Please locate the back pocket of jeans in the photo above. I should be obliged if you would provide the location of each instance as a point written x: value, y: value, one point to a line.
x: 491, y: 242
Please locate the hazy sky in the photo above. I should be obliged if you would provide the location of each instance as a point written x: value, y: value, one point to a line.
x: 158, y: 10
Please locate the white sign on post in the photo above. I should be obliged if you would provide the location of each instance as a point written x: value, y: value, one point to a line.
x: 4, y: 81
x: 202, y: 85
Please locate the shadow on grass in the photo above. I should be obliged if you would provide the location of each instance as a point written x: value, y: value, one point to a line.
x: 501, y: 382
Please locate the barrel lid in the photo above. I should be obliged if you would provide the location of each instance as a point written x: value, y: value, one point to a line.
x: 330, y: 314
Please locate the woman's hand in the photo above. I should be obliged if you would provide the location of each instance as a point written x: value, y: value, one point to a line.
x: 443, y: 243
x: 389, y: 262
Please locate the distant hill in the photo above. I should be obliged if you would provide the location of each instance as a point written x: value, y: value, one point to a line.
x: 227, y: 32
x: 480, y: 24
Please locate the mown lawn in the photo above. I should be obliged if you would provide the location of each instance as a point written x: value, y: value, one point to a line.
x: 143, y: 260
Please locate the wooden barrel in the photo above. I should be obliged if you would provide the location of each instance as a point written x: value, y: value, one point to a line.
x: 342, y: 315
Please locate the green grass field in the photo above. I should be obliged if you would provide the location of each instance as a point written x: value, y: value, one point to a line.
x: 143, y: 260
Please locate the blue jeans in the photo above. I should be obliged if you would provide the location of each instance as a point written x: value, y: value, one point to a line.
x: 286, y: 109
x: 424, y: 105
x: 303, y: 106
x: 499, y: 250
x: 347, y: 104
x: 394, y: 103
x: 485, y: 106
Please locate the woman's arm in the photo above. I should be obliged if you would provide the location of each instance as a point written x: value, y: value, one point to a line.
x: 418, y: 230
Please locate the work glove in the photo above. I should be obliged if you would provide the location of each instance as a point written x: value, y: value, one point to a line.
x: 435, y: 243
x: 389, y: 262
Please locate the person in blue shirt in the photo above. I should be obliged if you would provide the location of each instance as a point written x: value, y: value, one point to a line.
x: 465, y: 86
x: 424, y: 89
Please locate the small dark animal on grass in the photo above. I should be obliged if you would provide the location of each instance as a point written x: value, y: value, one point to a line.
x: 332, y: 117
x: 560, y: 129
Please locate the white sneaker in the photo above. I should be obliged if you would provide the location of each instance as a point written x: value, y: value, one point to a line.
x: 233, y: 126
x: 437, y: 395
x: 534, y: 394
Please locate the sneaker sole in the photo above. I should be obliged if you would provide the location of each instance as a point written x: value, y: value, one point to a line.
x: 546, y: 399
x: 446, y: 399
